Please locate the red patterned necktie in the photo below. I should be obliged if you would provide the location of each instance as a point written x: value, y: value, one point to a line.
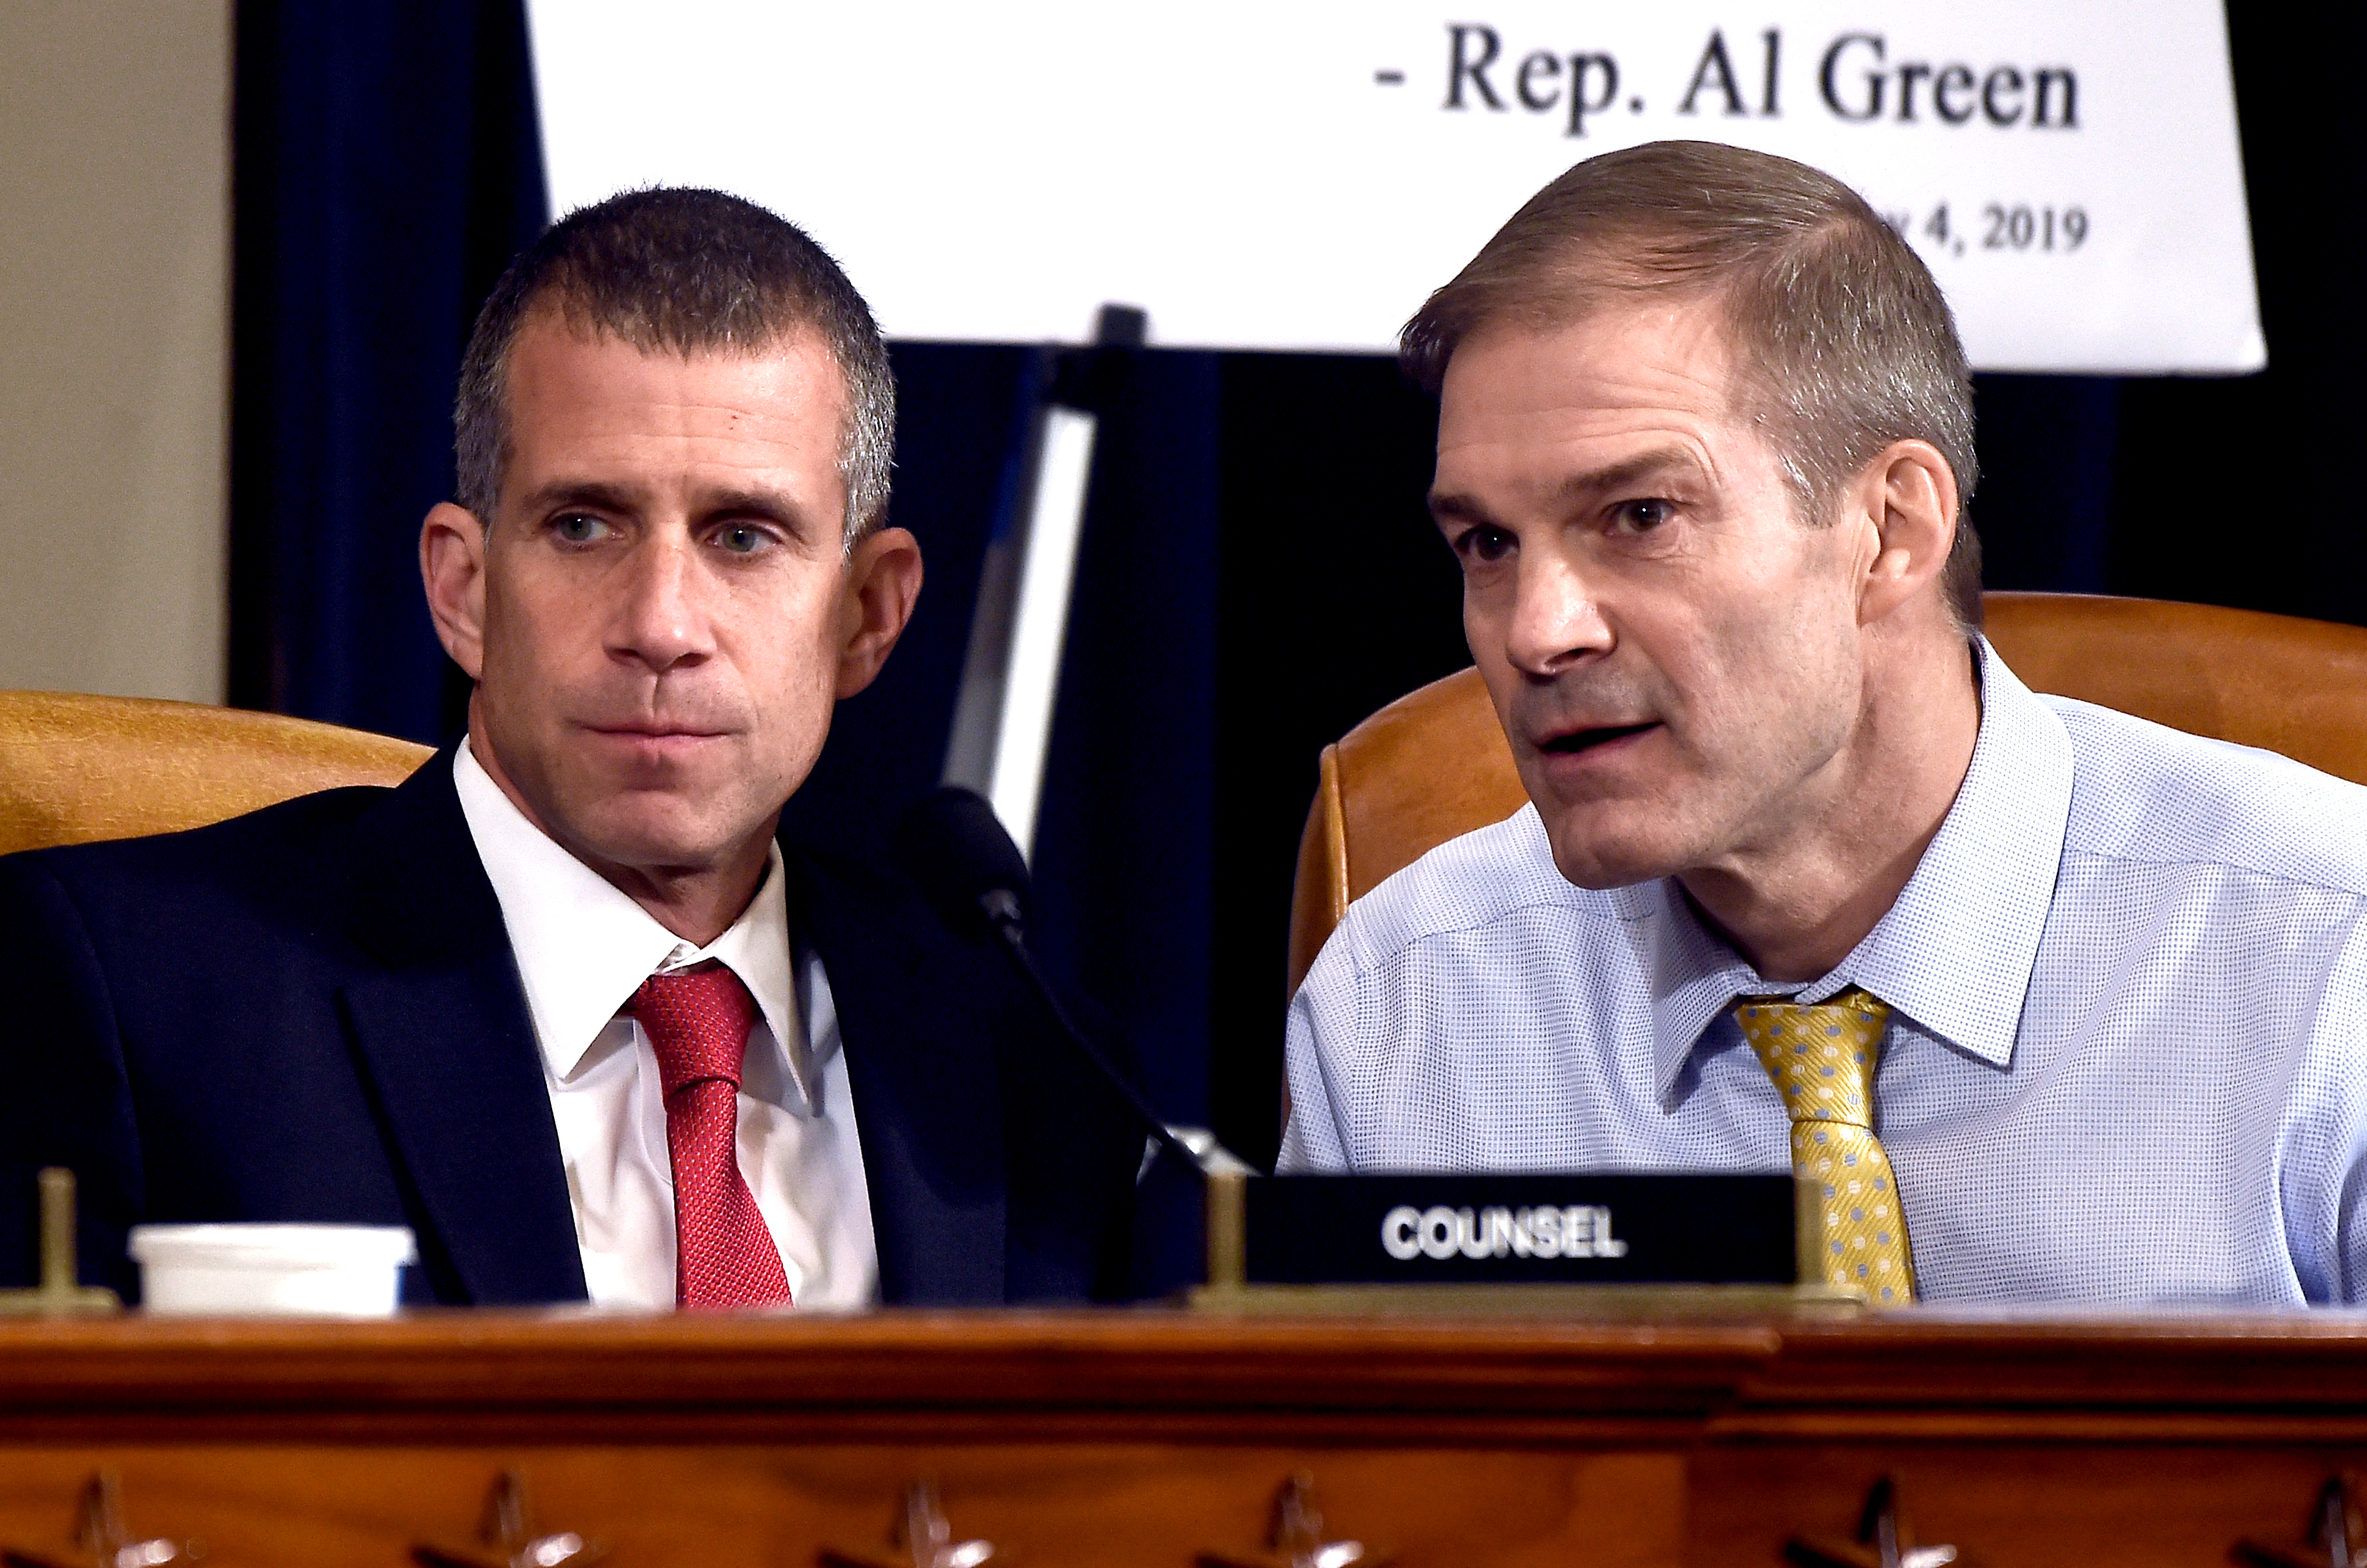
x: 698, y: 1020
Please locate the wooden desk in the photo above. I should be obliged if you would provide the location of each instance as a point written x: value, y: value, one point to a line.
x: 1145, y: 1437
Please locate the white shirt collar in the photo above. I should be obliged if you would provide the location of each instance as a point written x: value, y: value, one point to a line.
x: 583, y: 947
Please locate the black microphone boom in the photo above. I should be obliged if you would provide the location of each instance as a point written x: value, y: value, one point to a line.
x: 958, y: 853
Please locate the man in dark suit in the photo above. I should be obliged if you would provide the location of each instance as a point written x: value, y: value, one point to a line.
x: 563, y: 1002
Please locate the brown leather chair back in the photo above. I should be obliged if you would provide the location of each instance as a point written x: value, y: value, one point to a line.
x: 1431, y: 766
x: 1434, y: 764
x: 76, y: 768
x: 2276, y: 681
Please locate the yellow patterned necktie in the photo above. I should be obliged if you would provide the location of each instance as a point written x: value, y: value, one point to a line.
x: 1822, y: 1059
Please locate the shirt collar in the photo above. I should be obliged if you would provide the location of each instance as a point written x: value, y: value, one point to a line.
x: 583, y: 948
x: 1956, y: 951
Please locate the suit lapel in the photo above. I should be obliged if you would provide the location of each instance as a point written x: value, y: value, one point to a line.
x: 928, y: 1101
x: 442, y: 1036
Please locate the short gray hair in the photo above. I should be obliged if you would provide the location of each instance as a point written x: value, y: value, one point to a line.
x: 1845, y: 343
x: 684, y: 271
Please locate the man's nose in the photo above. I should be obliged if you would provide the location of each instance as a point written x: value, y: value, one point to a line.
x: 1558, y: 618
x: 660, y: 619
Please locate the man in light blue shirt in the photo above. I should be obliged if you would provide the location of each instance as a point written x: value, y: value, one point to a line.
x: 1705, y: 433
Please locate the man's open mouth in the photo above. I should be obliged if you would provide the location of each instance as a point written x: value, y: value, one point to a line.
x: 1587, y: 740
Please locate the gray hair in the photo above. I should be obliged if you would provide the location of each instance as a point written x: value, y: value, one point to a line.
x: 687, y: 272
x: 1844, y: 344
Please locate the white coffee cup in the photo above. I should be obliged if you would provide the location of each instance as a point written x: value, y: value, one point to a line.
x: 320, y: 1270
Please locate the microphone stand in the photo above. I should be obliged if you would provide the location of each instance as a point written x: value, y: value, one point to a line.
x: 1223, y: 1174
x: 1001, y: 907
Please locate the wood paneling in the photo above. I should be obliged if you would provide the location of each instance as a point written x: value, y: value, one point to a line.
x: 1150, y: 1437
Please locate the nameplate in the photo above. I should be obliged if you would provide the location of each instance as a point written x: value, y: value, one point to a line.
x: 1625, y: 1228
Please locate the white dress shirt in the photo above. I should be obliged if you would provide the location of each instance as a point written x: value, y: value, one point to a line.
x: 583, y: 948
x: 2126, y: 1059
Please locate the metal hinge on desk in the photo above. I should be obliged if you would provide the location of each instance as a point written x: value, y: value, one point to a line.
x: 508, y: 1538
x: 923, y: 1537
x: 2338, y: 1537
x: 102, y: 1539
x: 1297, y: 1539
x: 1885, y: 1540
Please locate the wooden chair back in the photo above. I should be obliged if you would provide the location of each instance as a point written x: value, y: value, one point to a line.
x: 76, y: 768
x: 1434, y: 764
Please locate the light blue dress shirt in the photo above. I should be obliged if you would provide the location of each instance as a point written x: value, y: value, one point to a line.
x: 2127, y: 1054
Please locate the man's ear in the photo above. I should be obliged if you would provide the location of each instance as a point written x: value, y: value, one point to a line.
x: 1909, y: 493
x: 883, y: 579
x: 452, y: 565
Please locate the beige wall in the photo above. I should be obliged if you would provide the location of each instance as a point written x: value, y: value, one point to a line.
x: 114, y: 344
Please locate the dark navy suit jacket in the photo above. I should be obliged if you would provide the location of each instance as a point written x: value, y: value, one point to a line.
x: 311, y: 1013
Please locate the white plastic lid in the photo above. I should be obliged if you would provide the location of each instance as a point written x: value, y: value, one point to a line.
x: 272, y: 1246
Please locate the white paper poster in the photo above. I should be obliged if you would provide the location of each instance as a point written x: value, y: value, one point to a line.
x: 1296, y: 175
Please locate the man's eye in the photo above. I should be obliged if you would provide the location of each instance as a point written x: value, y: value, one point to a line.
x: 1484, y: 544
x: 1643, y: 516
x: 741, y: 539
x: 579, y: 528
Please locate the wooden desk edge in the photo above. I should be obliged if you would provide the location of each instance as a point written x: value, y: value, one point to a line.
x: 1529, y: 1379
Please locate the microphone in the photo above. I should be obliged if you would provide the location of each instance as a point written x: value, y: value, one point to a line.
x: 957, y: 852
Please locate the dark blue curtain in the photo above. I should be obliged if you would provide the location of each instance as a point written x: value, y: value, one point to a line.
x: 1257, y: 571
x: 387, y: 167
x: 962, y: 416
x: 2242, y: 490
x: 1125, y: 833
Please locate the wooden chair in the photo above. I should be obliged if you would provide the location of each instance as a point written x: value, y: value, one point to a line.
x: 76, y: 768
x: 1434, y: 764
